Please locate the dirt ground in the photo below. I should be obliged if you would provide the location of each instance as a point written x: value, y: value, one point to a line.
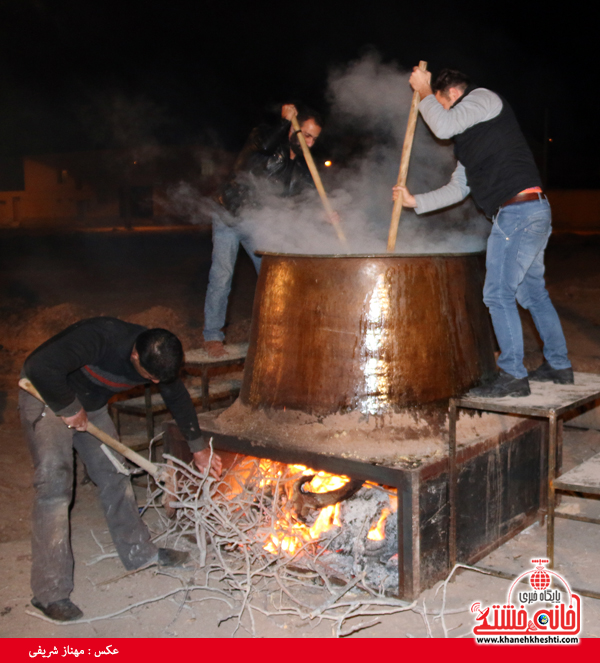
x: 159, y: 278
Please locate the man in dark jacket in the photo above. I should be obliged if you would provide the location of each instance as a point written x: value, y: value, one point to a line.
x: 496, y: 167
x: 76, y: 372
x: 272, y: 154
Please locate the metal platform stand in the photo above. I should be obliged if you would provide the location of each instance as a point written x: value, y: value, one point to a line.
x: 151, y: 404
x: 547, y: 401
x: 200, y: 360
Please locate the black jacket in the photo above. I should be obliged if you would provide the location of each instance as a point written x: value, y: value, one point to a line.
x: 266, y: 154
x: 89, y: 362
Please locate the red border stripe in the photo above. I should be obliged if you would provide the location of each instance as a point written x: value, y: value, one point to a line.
x: 110, y: 383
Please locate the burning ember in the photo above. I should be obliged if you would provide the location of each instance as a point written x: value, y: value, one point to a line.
x: 344, y: 522
x: 292, y: 533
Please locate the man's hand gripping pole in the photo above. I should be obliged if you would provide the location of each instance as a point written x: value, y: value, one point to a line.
x: 131, y: 455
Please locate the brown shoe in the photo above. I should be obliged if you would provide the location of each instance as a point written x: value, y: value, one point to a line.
x: 215, y: 349
x: 60, y: 611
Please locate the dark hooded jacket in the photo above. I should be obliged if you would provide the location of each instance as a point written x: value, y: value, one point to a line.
x: 266, y: 155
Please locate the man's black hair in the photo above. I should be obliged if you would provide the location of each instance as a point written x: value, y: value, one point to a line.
x: 161, y: 354
x: 307, y: 113
x: 448, y: 78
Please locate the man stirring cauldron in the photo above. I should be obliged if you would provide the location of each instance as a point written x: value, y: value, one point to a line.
x: 76, y: 372
x: 496, y: 167
x: 271, y: 153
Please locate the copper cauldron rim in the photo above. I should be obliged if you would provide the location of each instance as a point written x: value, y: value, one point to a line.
x: 369, y: 255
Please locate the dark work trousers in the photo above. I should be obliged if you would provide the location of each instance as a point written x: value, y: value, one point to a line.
x: 51, y: 445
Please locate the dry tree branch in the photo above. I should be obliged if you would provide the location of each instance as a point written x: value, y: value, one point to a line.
x: 233, y: 519
x: 128, y: 608
x: 444, y: 585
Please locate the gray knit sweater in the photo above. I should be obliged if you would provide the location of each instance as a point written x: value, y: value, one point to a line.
x: 479, y: 106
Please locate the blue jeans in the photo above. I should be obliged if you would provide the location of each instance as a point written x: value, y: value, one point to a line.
x: 515, y: 273
x: 226, y: 243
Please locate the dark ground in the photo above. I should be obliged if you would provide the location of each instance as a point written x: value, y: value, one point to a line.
x: 116, y: 273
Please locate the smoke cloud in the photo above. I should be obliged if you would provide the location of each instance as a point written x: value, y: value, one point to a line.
x: 369, y: 102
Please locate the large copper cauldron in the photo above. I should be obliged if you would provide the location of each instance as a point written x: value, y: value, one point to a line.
x: 369, y: 333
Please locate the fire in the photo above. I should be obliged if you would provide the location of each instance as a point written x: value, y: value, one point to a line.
x: 291, y: 535
x: 287, y: 534
x: 377, y: 533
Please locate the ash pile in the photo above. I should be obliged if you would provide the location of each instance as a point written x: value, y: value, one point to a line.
x: 363, y: 540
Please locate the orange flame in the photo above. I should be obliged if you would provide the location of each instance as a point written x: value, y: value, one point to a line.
x: 377, y: 533
x: 291, y: 536
x: 287, y: 535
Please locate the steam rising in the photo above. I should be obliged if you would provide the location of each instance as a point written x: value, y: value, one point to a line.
x: 369, y: 102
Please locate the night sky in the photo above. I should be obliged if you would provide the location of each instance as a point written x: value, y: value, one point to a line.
x: 93, y: 74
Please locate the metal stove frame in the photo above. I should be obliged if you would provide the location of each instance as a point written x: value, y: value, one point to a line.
x: 406, y: 481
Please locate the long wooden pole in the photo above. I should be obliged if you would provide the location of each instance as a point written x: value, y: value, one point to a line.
x: 134, y: 457
x: 408, y: 141
x: 310, y: 162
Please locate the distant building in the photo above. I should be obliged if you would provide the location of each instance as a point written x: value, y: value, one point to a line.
x: 110, y: 187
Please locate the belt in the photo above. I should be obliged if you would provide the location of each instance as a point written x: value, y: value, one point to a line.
x: 523, y: 198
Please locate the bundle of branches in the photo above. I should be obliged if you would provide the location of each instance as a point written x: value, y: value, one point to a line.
x: 237, y: 525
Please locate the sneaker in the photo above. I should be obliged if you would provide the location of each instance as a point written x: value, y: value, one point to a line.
x: 504, y: 385
x: 172, y: 558
x: 61, y: 611
x: 545, y: 373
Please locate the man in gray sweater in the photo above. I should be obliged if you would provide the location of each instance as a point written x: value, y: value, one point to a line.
x: 495, y: 166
